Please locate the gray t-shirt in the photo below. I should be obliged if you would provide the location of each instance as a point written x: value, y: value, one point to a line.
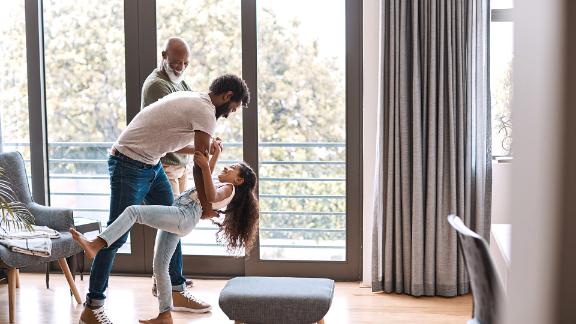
x: 167, y: 125
x: 156, y: 86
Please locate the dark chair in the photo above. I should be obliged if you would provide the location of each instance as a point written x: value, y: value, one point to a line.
x: 59, y: 219
x: 484, y: 280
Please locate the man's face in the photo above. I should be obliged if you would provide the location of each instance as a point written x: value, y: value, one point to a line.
x: 175, y: 62
x: 178, y: 62
x: 226, y: 108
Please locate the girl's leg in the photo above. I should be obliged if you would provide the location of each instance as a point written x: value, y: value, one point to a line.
x: 165, y: 245
x: 168, y: 218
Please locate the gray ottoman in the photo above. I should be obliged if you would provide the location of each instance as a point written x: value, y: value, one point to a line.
x: 277, y: 300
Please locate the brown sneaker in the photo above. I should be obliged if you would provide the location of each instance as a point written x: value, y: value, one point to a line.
x: 189, y: 284
x: 94, y: 316
x: 184, y: 301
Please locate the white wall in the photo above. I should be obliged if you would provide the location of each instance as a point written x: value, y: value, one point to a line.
x: 370, y: 98
x: 502, y: 192
x: 543, y: 100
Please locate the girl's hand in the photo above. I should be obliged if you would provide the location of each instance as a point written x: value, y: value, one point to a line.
x: 201, y: 158
x: 216, y: 147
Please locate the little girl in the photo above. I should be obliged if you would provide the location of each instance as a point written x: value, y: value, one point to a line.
x: 234, y: 191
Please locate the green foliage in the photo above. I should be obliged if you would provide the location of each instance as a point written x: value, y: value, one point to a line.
x: 13, y: 213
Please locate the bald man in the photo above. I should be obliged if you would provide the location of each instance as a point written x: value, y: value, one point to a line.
x: 169, y: 76
x: 164, y: 80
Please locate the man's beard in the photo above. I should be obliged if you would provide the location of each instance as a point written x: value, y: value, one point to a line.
x: 171, y: 73
x: 223, y: 110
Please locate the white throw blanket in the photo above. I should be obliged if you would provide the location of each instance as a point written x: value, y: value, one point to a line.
x: 36, y: 242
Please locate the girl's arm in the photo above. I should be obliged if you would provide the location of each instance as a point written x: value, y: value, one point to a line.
x: 216, y: 150
x: 212, y: 194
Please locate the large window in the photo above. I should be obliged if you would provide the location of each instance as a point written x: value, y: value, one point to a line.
x: 302, y: 129
x: 501, y: 56
x: 14, y: 131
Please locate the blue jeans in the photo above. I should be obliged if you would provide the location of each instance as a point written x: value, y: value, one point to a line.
x: 131, y: 182
x: 172, y: 222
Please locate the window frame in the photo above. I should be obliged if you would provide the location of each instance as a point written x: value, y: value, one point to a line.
x: 498, y: 15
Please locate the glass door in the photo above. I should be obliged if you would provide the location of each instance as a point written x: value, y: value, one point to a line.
x: 86, y: 107
x: 14, y: 130
x: 303, y: 140
x: 212, y: 29
x: 296, y: 57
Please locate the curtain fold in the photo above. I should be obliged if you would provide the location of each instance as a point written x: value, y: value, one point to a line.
x: 433, y: 152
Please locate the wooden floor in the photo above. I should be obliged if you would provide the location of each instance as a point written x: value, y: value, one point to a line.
x: 130, y: 299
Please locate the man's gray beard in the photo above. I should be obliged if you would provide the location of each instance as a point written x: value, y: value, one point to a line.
x: 171, y: 75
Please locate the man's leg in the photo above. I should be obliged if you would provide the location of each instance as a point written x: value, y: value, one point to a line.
x: 161, y: 194
x: 129, y: 185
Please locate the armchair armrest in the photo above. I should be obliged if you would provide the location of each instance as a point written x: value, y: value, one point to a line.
x: 60, y: 219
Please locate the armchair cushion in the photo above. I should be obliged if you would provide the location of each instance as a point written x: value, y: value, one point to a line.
x: 10, y: 200
x: 14, y: 169
x: 60, y: 219
x: 62, y: 247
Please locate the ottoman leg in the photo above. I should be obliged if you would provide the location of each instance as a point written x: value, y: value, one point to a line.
x: 236, y: 322
x: 321, y: 321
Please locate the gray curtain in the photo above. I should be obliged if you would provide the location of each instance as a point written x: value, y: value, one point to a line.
x: 433, y: 154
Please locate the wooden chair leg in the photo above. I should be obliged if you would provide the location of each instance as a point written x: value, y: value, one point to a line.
x: 48, y: 275
x: 17, y: 278
x: 68, y: 275
x: 11, y: 293
x: 321, y: 321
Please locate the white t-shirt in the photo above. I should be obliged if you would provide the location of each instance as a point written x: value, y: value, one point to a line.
x: 191, y: 195
x: 167, y: 125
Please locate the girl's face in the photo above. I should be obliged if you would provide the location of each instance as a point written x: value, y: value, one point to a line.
x: 231, y: 174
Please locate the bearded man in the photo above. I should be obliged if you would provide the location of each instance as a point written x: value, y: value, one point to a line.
x: 164, y: 80
x: 182, y: 122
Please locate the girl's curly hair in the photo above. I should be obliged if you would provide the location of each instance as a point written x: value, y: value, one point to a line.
x: 240, y: 225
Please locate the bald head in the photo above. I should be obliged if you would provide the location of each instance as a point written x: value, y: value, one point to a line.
x: 175, y: 58
x: 176, y: 44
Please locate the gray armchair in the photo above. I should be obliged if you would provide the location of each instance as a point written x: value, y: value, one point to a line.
x: 484, y: 280
x: 59, y: 219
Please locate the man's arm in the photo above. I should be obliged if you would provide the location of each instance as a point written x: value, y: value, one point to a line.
x: 202, y: 144
x: 190, y: 148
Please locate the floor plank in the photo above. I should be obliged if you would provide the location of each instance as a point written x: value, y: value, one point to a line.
x: 130, y: 299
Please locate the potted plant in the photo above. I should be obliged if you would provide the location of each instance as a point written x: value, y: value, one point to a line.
x: 13, y: 213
